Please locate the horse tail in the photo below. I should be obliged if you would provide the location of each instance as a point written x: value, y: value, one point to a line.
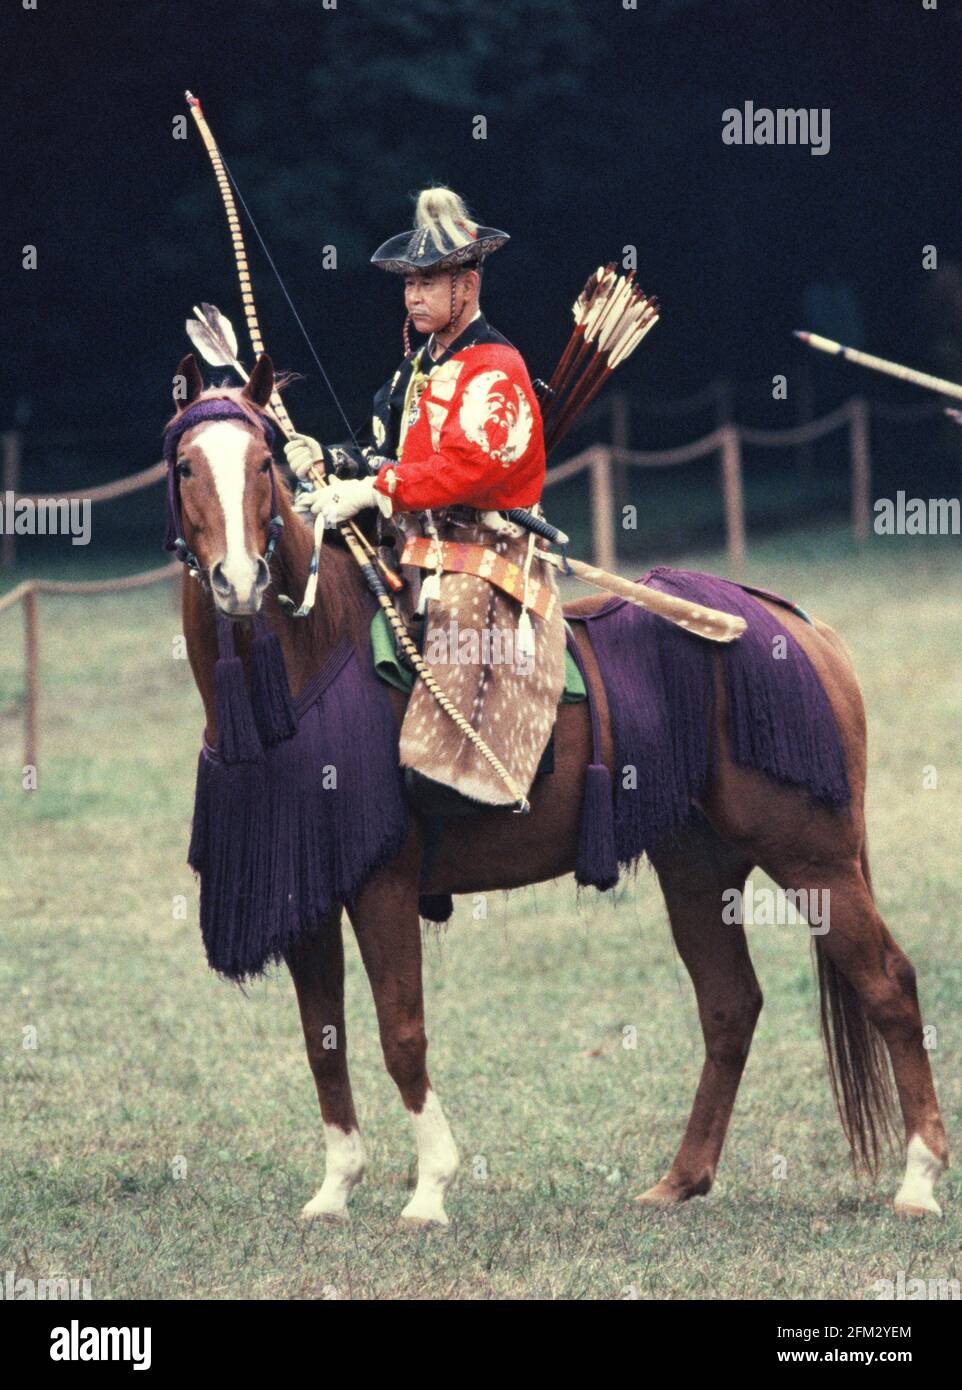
x: 858, y: 1063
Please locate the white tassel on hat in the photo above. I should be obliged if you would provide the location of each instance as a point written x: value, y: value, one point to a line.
x: 441, y: 211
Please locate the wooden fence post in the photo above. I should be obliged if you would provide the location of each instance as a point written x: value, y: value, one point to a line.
x: 731, y: 471
x: 861, y: 469
x: 31, y: 638
x: 12, y: 450
x: 602, y: 511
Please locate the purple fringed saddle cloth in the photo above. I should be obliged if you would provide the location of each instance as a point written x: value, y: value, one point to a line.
x: 281, y: 837
x: 659, y: 681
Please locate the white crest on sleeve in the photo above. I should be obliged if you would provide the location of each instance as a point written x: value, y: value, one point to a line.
x: 496, y: 417
x: 437, y: 414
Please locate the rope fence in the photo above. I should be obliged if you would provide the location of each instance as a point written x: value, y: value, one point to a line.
x: 604, y: 464
x: 600, y: 460
x: 107, y: 492
x: 28, y: 593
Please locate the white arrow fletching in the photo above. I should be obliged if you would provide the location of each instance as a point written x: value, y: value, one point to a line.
x: 220, y: 325
x: 203, y: 340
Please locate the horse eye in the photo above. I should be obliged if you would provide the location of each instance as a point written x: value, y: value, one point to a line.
x: 266, y: 465
x: 183, y: 468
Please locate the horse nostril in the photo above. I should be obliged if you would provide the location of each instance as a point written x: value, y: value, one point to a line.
x: 263, y: 574
x: 219, y: 581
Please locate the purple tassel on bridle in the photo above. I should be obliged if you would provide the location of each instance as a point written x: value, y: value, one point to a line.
x: 237, y: 737
x: 250, y: 720
x: 270, y: 693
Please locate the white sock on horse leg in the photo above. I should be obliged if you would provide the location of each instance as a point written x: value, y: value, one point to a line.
x: 343, y: 1171
x: 437, y: 1164
x: 921, y: 1170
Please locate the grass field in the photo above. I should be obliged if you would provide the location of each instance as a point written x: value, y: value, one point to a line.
x: 146, y: 1065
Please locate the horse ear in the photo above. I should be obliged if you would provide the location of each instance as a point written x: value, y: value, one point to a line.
x: 188, y: 383
x: 261, y: 382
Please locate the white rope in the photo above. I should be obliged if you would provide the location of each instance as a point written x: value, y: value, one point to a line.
x: 105, y: 493
x: 89, y: 586
x: 709, y: 443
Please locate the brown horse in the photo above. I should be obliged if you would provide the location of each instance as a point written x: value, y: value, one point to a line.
x: 744, y: 819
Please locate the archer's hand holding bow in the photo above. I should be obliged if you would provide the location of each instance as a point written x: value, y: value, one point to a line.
x: 342, y: 499
x: 302, y: 452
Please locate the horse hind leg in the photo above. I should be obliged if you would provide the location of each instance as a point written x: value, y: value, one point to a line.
x: 695, y: 871
x: 869, y: 992
x: 317, y: 968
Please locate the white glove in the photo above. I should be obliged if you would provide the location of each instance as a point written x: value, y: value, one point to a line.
x: 302, y: 452
x: 342, y: 499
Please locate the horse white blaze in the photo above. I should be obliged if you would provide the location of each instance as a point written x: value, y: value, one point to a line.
x: 437, y: 1164
x: 921, y: 1170
x: 225, y: 444
x: 342, y: 1173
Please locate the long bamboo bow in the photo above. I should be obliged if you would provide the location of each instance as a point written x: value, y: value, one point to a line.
x: 366, y: 565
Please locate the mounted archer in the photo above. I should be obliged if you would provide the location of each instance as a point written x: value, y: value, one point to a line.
x: 737, y: 761
x: 456, y: 439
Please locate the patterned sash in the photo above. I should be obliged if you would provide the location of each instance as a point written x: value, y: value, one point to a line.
x: 459, y: 557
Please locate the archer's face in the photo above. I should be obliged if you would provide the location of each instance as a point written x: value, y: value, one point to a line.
x: 427, y: 298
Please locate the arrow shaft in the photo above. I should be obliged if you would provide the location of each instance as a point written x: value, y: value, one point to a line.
x: 880, y: 364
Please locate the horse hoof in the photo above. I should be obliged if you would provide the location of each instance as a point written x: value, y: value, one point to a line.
x: 327, y: 1217
x: 422, y: 1223
x: 910, y: 1210
x: 662, y: 1194
x: 667, y: 1194
x: 659, y: 1196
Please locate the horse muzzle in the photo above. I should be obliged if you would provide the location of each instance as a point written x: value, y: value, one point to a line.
x: 238, y: 593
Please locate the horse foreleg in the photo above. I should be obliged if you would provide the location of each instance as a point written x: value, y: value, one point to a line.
x: 385, y: 918
x: 317, y: 967
x: 694, y: 872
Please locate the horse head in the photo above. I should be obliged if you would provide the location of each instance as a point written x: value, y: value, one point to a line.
x: 222, y: 490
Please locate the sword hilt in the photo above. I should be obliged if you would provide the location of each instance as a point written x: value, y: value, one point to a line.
x: 522, y: 517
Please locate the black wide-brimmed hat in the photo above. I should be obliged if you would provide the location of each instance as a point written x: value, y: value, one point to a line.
x: 443, y: 235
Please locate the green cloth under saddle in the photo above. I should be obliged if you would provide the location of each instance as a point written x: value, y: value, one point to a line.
x: 389, y: 668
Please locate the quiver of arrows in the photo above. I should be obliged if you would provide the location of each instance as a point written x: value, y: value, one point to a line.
x: 611, y: 316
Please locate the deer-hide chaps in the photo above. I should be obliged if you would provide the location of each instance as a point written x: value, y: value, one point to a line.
x: 471, y: 646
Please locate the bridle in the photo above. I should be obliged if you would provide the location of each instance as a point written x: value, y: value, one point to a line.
x: 198, y: 413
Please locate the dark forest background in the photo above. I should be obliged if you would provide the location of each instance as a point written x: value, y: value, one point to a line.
x: 604, y: 129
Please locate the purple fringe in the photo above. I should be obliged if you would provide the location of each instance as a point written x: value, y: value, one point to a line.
x: 276, y: 846
x: 660, y: 685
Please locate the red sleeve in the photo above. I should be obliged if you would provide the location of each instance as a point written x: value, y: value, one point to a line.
x: 463, y: 450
